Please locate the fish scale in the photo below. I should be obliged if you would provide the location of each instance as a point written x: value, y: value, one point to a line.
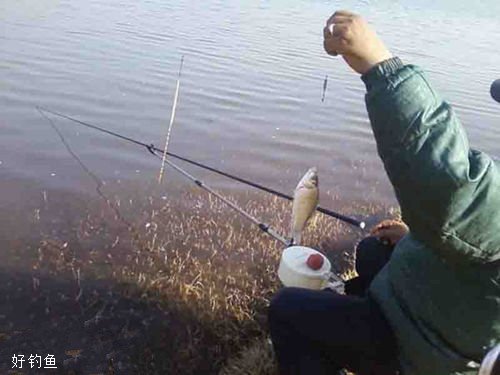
x: 305, y: 202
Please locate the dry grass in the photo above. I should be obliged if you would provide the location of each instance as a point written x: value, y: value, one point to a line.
x: 210, y: 272
x: 256, y: 359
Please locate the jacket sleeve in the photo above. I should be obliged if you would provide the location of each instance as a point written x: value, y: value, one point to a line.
x: 449, y: 194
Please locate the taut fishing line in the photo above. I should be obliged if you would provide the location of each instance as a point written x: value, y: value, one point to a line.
x: 92, y: 175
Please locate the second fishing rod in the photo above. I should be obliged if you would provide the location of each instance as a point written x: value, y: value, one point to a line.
x: 154, y: 150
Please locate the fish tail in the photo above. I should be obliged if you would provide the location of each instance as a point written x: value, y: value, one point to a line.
x: 296, y: 237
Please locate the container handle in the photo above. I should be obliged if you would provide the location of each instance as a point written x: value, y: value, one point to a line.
x: 335, y: 283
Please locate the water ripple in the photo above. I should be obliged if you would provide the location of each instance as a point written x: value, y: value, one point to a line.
x: 251, y: 86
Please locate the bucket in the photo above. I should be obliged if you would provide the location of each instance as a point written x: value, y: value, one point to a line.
x: 293, y: 270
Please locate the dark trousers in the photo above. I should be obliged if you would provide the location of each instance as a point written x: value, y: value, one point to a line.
x: 321, y: 332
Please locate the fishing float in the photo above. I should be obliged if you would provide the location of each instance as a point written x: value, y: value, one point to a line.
x: 172, y: 118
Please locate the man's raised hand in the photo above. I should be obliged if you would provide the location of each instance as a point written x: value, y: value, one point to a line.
x: 349, y: 35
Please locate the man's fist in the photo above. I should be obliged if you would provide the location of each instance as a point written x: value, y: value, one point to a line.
x: 349, y: 35
x: 390, y: 231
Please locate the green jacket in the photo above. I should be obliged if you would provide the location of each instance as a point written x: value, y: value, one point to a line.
x: 441, y: 289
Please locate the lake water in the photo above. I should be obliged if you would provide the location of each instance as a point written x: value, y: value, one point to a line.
x: 250, y: 104
x: 250, y: 99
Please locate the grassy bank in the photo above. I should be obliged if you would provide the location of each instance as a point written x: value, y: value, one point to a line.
x: 164, y: 285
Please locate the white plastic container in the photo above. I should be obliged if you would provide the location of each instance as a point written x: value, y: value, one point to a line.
x: 293, y: 270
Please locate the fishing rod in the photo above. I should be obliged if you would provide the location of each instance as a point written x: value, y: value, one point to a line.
x: 262, y: 226
x: 153, y: 149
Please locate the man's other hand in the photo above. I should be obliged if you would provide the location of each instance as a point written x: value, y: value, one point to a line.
x: 390, y: 231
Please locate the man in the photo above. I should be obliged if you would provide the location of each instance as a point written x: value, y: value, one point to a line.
x: 435, y: 306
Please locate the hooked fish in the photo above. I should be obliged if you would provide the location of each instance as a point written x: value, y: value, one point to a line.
x: 305, y: 201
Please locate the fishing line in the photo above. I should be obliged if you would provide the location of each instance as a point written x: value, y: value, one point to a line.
x: 92, y: 175
x: 262, y: 226
x: 153, y: 149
